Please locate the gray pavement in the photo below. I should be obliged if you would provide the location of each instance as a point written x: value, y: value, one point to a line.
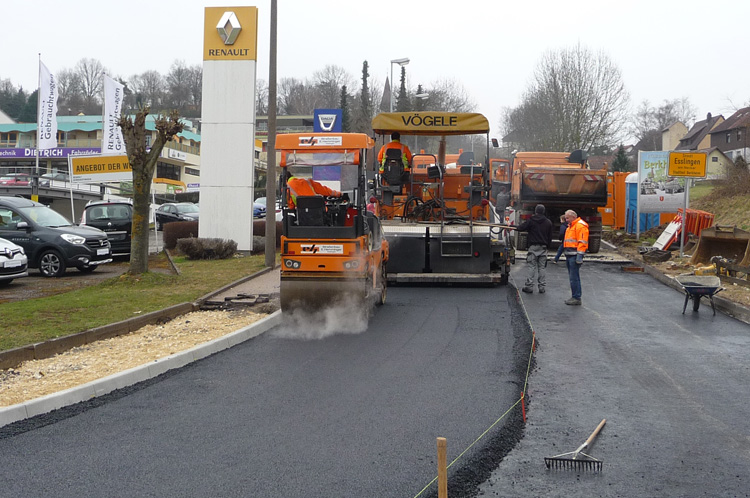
x: 672, y: 387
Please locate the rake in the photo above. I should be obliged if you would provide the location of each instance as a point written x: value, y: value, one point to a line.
x: 577, y: 460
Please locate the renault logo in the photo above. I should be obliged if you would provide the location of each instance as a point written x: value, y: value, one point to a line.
x: 229, y: 28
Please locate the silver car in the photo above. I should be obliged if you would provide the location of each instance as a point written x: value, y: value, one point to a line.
x: 13, y: 262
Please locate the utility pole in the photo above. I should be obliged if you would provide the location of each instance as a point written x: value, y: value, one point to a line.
x: 271, y: 149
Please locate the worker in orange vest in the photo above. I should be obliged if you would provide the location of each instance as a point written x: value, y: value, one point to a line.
x: 576, y: 244
x: 395, y: 143
x: 306, y: 187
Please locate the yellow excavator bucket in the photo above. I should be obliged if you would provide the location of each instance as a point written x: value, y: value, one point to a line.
x: 727, y: 242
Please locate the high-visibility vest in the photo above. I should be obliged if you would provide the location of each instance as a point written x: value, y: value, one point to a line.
x: 395, y: 144
x: 576, y: 238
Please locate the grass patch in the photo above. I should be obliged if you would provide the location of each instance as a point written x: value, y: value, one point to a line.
x: 119, y: 298
x: 727, y: 210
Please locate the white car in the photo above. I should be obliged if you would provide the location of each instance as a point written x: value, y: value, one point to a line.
x: 13, y: 262
x: 263, y: 200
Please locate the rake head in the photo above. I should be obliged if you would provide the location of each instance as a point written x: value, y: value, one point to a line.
x: 562, y: 462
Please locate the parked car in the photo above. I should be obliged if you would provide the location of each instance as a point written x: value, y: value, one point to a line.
x: 17, y: 179
x: 13, y: 262
x: 46, y: 179
x: 115, y: 218
x: 176, y: 211
x: 51, y: 242
x: 259, y: 210
x: 264, y: 202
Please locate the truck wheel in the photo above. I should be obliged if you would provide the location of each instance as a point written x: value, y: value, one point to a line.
x: 522, y: 244
x: 595, y: 244
x: 504, y: 277
x: 383, y: 285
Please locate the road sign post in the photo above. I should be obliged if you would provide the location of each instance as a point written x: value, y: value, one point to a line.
x: 686, y: 165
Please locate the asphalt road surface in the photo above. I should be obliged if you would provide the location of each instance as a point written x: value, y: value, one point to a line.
x: 343, y: 415
x: 674, y: 389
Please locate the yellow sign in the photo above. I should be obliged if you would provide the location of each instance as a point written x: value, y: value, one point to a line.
x: 100, y: 168
x: 230, y: 33
x: 687, y: 164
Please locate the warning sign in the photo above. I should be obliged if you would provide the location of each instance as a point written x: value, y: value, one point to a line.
x: 100, y: 168
x: 687, y: 164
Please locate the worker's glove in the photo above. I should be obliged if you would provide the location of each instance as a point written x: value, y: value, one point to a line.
x: 579, y: 259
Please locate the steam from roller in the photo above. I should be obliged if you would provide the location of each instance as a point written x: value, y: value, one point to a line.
x: 346, y: 316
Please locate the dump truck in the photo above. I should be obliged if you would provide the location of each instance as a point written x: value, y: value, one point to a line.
x: 560, y: 181
x: 333, y: 252
x: 436, y: 216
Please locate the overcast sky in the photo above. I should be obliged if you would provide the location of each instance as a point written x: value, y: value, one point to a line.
x: 665, y: 49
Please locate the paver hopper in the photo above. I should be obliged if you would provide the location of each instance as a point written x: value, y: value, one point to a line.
x: 728, y: 242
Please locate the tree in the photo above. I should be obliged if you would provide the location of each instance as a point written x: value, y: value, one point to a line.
x: 346, y: 119
x: 69, y: 93
x: 12, y: 99
x: 90, y: 72
x: 621, y: 161
x: 296, y: 97
x: 29, y: 111
x: 648, y: 122
x: 144, y: 163
x: 178, y: 84
x: 362, y: 122
x: 576, y: 100
x: 261, y: 98
x: 328, y: 83
x: 402, y: 100
x: 148, y: 87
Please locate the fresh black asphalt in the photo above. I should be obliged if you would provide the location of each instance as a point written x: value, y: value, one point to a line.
x: 346, y: 415
x: 674, y: 389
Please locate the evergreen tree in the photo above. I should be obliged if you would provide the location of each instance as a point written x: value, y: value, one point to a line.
x: 345, y: 117
x: 621, y: 162
x: 362, y: 122
x: 28, y: 113
x: 402, y: 101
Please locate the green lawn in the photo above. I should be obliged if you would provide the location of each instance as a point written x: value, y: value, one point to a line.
x: 116, y: 299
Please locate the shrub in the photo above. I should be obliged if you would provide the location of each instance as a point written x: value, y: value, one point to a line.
x: 737, y: 179
x: 179, y: 230
x: 195, y: 248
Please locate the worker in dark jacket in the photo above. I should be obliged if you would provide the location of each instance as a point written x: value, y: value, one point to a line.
x: 539, y: 238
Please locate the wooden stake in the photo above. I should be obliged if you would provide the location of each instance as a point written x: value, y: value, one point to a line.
x: 442, y: 447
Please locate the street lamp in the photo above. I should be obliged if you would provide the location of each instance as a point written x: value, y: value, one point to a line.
x: 401, y: 62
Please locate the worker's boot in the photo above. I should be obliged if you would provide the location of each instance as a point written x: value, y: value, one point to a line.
x: 573, y: 301
x: 528, y: 290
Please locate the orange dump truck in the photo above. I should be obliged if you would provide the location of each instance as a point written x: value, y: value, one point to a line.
x: 560, y: 181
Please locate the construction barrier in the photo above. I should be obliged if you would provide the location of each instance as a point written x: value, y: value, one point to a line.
x: 696, y: 220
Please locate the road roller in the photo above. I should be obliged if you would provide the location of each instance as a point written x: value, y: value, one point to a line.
x: 333, y: 251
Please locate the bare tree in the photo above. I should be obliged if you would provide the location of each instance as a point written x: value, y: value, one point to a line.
x: 648, y: 121
x: 195, y: 84
x: 576, y: 100
x: 144, y: 163
x: 328, y: 82
x: 70, y: 98
x: 296, y: 97
x: 90, y: 72
x: 149, y: 87
x: 178, y: 85
x: 261, y: 98
x: 448, y: 95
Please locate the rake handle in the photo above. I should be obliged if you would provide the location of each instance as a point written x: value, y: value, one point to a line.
x: 592, y: 436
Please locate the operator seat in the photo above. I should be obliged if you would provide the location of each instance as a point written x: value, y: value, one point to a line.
x: 311, y: 210
x: 393, y: 171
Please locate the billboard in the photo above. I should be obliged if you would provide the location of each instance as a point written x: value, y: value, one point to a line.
x: 100, y: 168
x: 657, y: 191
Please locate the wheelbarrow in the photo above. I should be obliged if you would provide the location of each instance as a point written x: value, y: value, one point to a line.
x: 696, y: 287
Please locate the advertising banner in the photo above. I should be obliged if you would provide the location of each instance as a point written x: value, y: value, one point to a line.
x: 658, y: 192
x: 46, y: 130
x: 94, y: 169
x: 112, y: 142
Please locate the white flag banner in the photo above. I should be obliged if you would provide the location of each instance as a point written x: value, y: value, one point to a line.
x: 47, y: 120
x: 112, y: 142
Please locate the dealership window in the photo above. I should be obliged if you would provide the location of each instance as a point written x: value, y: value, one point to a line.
x: 164, y: 170
x: 8, y: 139
x: 192, y: 171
